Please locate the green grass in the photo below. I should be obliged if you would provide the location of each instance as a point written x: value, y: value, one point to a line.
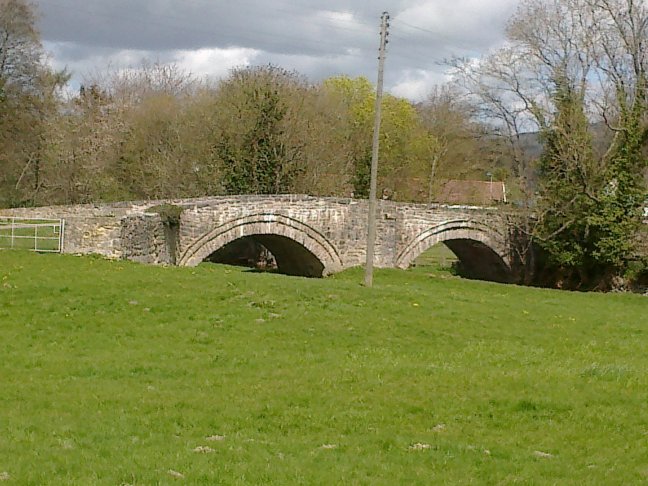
x: 438, y: 257
x: 114, y: 373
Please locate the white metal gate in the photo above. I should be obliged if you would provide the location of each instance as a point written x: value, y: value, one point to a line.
x: 42, y: 235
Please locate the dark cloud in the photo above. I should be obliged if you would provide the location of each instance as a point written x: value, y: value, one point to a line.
x: 314, y: 37
x: 163, y: 25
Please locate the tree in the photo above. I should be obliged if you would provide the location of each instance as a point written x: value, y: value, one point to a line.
x: 568, y: 64
x: 83, y: 141
x: 27, y: 96
x: 569, y: 183
x: 459, y: 147
x: 406, y: 147
x: 252, y: 144
x: 135, y: 133
x: 20, y: 50
x: 622, y: 60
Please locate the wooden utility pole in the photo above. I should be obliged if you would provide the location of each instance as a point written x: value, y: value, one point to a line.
x: 371, y: 233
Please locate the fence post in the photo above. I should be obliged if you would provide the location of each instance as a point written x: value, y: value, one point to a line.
x: 61, y: 236
x: 13, y: 223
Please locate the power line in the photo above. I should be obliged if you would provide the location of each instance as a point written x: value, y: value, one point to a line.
x: 415, y: 27
x: 436, y: 36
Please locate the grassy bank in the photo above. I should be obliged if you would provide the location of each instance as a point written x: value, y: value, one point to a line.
x: 117, y: 373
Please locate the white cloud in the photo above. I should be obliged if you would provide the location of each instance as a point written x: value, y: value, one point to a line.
x: 415, y: 85
x: 82, y: 62
x: 340, y: 18
x: 461, y: 22
x: 214, y: 62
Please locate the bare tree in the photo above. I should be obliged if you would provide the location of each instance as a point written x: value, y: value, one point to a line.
x: 459, y: 147
x: 20, y: 48
x: 28, y: 89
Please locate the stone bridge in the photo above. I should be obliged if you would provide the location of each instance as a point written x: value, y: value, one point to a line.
x: 308, y: 236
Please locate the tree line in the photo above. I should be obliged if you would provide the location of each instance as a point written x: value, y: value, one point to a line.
x: 572, y: 71
x: 156, y: 131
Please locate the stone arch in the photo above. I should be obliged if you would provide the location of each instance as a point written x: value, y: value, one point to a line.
x: 480, y: 249
x: 296, y: 239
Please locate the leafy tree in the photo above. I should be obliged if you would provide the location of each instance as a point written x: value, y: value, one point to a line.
x: 255, y: 151
x: 136, y: 132
x: 83, y: 139
x: 569, y: 184
x: 405, y: 145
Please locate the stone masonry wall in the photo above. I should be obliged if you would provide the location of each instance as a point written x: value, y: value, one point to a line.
x: 110, y: 230
x: 334, y: 227
x: 340, y: 222
x: 89, y: 229
x: 143, y: 239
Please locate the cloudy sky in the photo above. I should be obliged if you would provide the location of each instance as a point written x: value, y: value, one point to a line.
x: 314, y: 37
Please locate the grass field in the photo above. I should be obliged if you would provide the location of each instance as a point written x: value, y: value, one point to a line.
x: 439, y: 257
x: 116, y: 373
